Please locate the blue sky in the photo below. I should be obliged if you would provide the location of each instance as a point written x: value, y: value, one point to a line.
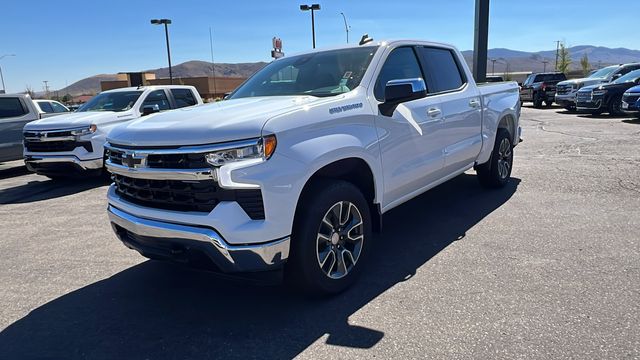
x: 66, y: 41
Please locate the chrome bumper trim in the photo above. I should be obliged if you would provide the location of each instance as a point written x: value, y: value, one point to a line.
x: 230, y: 258
x: 92, y: 164
x: 161, y: 174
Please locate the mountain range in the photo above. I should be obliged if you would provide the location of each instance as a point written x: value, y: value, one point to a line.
x: 517, y: 60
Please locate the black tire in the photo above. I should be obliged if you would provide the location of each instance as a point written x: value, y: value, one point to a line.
x: 570, y: 109
x: 303, y: 269
x: 492, y: 173
x: 615, y: 106
x: 537, y: 100
x: 548, y: 103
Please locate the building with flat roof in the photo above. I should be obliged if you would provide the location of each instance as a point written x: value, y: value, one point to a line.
x: 208, y: 87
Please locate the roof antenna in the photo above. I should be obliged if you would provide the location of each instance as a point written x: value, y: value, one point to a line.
x: 365, y: 39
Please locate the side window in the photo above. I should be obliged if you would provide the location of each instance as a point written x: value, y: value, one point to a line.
x: 11, y: 107
x: 441, y: 69
x: 45, y: 106
x: 400, y: 64
x: 58, y: 107
x: 157, y: 97
x: 183, y: 97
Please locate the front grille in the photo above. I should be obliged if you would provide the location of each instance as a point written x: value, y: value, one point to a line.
x: 165, y: 161
x: 56, y: 146
x: 563, y: 89
x: 631, y: 99
x: 583, y: 97
x: 200, y: 196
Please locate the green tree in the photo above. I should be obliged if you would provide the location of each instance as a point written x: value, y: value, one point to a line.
x: 564, y: 58
x: 584, y: 63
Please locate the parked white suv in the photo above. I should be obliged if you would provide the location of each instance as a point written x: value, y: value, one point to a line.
x: 296, y: 169
x: 71, y: 144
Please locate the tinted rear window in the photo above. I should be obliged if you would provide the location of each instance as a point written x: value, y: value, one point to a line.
x: 550, y: 77
x: 45, y: 106
x: 441, y: 69
x: 183, y: 97
x: 11, y: 107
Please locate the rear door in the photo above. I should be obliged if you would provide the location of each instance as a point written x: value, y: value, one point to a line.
x: 183, y: 98
x: 460, y: 105
x: 14, y: 114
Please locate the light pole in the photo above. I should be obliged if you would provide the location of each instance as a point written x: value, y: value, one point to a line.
x: 493, y: 66
x: 165, y: 22
x: 312, y: 7
x: 545, y: 62
x: 4, y: 90
x: 346, y: 27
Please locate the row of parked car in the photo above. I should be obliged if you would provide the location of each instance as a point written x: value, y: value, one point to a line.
x: 26, y: 126
x: 614, y: 90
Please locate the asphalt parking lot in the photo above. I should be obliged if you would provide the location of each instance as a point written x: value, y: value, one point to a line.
x: 548, y: 267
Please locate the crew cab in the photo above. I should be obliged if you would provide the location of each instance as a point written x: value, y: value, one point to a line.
x: 16, y: 110
x: 597, y: 99
x: 295, y: 169
x: 566, y: 91
x: 73, y: 144
x: 631, y: 100
x: 541, y: 87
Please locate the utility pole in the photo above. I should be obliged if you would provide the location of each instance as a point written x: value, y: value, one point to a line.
x: 557, y: 52
x: 481, y: 40
x: 493, y: 66
x: 213, y: 66
x: 545, y: 62
x: 46, y: 88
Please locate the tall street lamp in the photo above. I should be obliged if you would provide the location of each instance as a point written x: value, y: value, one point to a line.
x: 2, y: 76
x: 493, y: 66
x: 346, y: 27
x: 312, y: 7
x: 165, y: 22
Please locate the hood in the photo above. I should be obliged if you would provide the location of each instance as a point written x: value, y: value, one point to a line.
x: 228, y: 120
x: 78, y: 119
x: 634, y: 90
x: 583, y: 81
x: 589, y: 88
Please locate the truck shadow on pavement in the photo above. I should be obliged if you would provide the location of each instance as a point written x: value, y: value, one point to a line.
x: 155, y: 310
x: 49, y: 189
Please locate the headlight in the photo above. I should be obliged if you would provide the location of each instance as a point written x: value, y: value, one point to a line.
x: 577, y: 86
x: 599, y: 92
x: 90, y: 130
x: 263, y: 148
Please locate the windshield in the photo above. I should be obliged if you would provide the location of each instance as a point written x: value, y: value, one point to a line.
x: 630, y: 77
x: 325, y: 73
x: 603, y: 73
x: 111, y: 101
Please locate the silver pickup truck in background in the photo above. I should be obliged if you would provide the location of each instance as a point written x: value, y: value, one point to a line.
x: 15, y: 111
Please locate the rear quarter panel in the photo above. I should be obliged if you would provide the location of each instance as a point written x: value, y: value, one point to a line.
x: 499, y: 101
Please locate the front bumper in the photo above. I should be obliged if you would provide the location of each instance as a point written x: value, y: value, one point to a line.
x: 565, y: 101
x: 158, y: 239
x: 51, y: 164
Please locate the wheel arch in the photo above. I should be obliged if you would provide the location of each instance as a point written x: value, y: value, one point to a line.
x: 354, y: 170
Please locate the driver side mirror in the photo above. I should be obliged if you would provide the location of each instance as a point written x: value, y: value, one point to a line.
x: 399, y: 91
x: 150, y: 109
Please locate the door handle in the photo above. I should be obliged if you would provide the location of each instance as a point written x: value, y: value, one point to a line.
x: 474, y: 103
x: 434, y: 112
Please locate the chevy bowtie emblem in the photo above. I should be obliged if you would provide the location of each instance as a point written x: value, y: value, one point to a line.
x: 132, y: 160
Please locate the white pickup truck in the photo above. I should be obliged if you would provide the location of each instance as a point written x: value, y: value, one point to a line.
x: 297, y: 167
x: 68, y: 145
